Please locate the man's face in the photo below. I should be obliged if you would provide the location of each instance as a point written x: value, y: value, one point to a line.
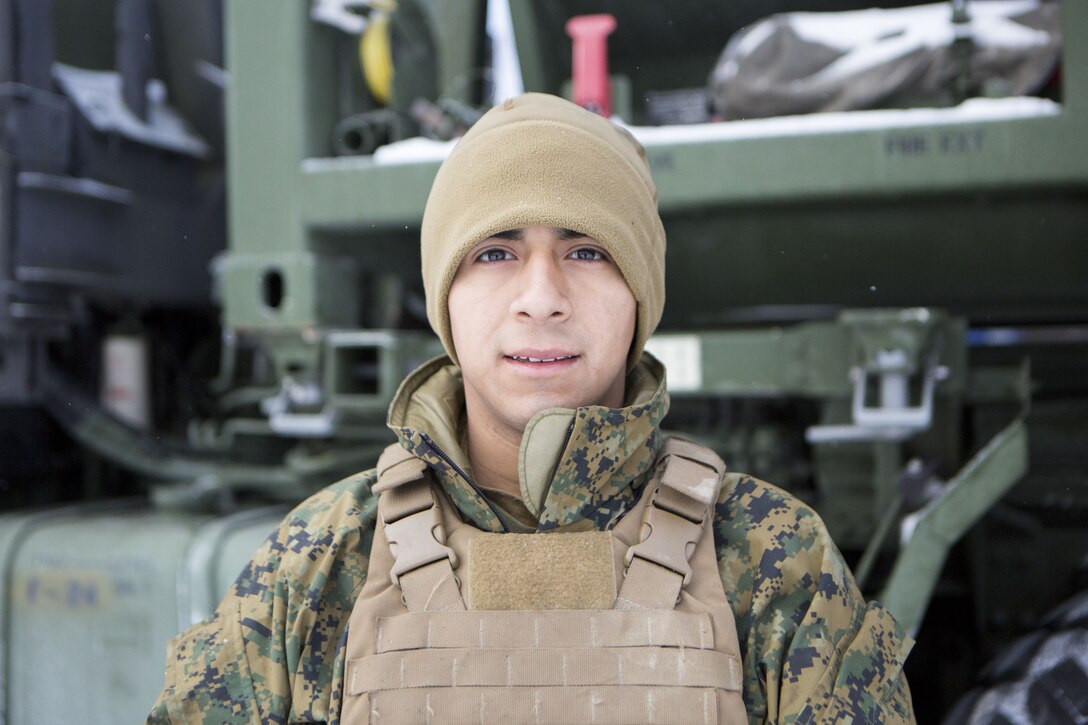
x: 541, y: 318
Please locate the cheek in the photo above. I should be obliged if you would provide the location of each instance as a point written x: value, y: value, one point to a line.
x: 460, y: 311
x: 621, y: 311
x: 471, y: 309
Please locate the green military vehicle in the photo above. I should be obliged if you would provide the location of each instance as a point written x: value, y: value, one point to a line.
x: 209, y: 218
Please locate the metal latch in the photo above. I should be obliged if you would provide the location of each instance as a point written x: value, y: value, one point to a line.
x: 891, y: 348
x: 667, y: 539
x: 417, y: 540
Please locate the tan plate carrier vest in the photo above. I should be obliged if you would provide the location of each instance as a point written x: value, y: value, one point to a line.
x: 665, y: 652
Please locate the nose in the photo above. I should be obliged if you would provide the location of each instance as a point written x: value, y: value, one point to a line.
x: 542, y: 291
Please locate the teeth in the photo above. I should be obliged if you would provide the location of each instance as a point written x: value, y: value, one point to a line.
x: 539, y: 359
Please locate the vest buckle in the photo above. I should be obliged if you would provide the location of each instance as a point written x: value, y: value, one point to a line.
x: 667, y: 539
x: 415, y: 541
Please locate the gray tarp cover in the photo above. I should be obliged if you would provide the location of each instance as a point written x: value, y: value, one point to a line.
x: 795, y: 63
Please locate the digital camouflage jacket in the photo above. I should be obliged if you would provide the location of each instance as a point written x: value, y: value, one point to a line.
x: 273, y: 652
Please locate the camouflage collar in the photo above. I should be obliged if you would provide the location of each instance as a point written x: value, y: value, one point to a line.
x: 579, y: 465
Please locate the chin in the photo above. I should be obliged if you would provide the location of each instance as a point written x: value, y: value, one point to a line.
x: 561, y: 400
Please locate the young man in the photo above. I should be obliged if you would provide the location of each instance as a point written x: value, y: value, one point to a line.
x: 541, y: 552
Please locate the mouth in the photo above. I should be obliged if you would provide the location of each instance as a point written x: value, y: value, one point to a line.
x: 539, y: 360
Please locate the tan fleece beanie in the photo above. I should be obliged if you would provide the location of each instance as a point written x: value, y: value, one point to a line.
x: 538, y: 160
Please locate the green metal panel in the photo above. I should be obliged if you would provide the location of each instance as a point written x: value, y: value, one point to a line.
x: 291, y: 290
x: 265, y: 112
x: 982, y: 155
x: 984, y: 480
x: 889, y: 210
x: 356, y: 193
x: 280, y: 119
x: 809, y: 359
x: 90, y: 595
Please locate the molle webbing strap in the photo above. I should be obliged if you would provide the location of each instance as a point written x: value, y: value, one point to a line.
x: 546, y: 705
x: 606, y: 666
x: 657, y: 566
x: 407, y: 507
x: 545, y: 667
x: 549, y: 628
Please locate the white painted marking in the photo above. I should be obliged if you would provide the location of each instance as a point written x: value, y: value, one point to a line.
x: 683, y: 358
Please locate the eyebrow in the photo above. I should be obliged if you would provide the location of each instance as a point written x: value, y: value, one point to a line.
x: 515, y: 235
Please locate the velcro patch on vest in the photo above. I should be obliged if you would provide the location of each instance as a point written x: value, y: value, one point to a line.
x: 542, y: 571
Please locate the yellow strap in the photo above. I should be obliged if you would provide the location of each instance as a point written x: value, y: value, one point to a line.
x: 376, y: 57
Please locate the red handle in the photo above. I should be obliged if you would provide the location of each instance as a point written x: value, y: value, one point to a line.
x: 592, y: 88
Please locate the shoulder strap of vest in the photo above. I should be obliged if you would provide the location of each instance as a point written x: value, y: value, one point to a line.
x: 673, y: 521
x: 410, y: 518
x: 397, y: 466
x: 692, y: 469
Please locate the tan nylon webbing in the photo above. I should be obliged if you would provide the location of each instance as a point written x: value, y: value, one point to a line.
x: 405, y: 500
x: 397, y: 466
x: 689, y: 487
x: 649, y: 586
x: 692, y: 469
x: 676, y: 502
x: 546, y: 706
x: 432, y: 586
x: 603, y: 628
x: 546, y: 667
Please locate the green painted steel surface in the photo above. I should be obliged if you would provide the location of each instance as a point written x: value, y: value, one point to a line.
x: 810, y: 359
x: 984, y: 480
x: 90, y: 594
x: 894, y: 214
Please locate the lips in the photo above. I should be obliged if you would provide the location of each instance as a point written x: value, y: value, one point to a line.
x: 542, y: 358
x: 529, y: 359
